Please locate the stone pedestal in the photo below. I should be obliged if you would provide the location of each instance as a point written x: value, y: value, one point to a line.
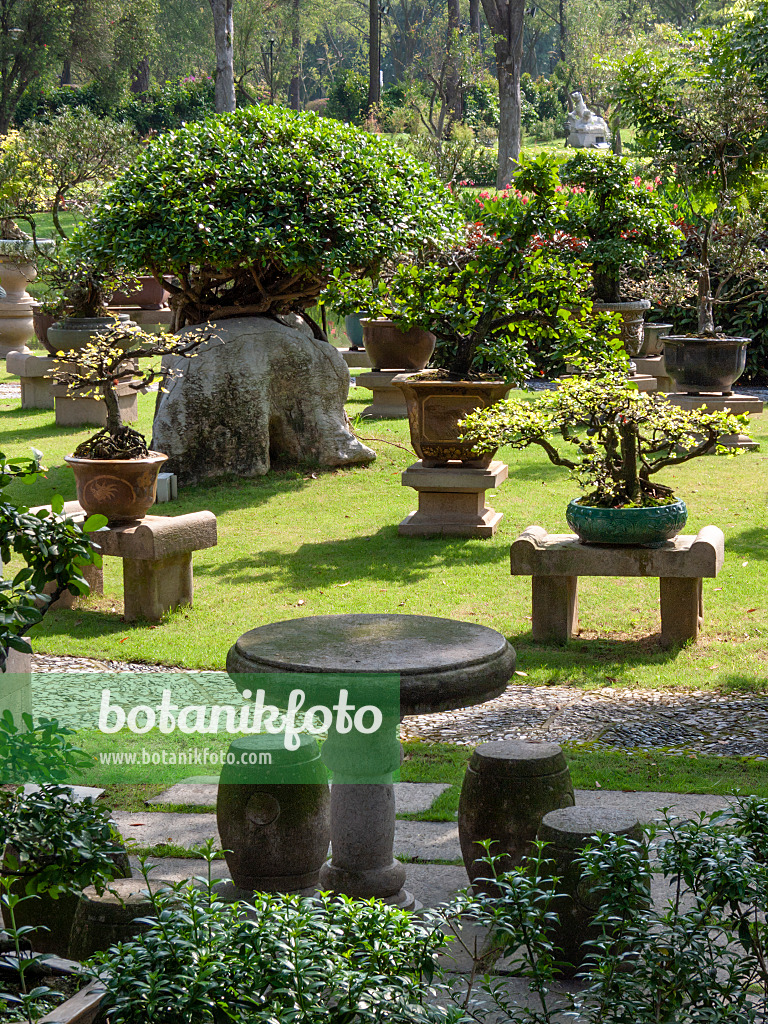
x: 388, y: 401
x: 643, y: 381
x: 36, y: 373
x: 555, y: 561
x: 735, y: 402
x: 653, y: 366
x: 102, y: 919
x: 452, y: 500
x: 355, y: 357
x: 74, y: 410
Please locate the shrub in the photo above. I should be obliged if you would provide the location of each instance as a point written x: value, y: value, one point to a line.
x: 170, y: 105
x: 253, y: 211
x: 348, y: 97
x: 481, y: 105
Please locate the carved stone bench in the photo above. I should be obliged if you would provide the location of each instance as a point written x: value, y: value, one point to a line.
x: 157, y: 558
x: 555, y: 561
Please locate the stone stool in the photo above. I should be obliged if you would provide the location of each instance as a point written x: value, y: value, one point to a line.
x: 508, y: 788
x: 555, y: 561
x: 452, y: 500
x: 388, y: 402
x: 101, y: 920
x: 567, y: 832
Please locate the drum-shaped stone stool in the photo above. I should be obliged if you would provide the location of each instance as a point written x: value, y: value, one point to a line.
x: 567, y: 832
x: 103, y: 919
x: 274, y: 813
x: 508, y: 788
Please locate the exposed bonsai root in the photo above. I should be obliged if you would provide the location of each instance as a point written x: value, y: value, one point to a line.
x: 123, y: 444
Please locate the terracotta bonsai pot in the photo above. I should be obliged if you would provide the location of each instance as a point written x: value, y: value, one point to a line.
x: 698, y: 364
x: 72, y: 333
x: 435, y: 409
x: 649, y: 527
x: 41, y: 322
x: 148, y: 294
x: 392, y: 349
x: 120, y: 489
x: 632, y: 316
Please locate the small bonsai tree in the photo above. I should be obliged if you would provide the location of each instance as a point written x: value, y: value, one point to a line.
x: 622, y: 219
x: 250, y: 213
x: 54, y: 549
x: 702, y: 120
x: 109, y: 360
x: 512, y: 284
x: 619, y: 437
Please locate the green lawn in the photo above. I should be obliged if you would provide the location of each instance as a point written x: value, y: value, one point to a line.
x: 305, y: 542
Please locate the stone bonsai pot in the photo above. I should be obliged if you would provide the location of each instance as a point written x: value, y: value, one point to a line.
x: 116, y: 474
x: 149, y: 293
x: 392, y: 349
x: 73, y: 333
x: 619, y: 438
x: 705, y: 363
x: 654, y: 336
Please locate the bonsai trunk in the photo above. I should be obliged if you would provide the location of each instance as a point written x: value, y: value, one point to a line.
x: 706, y: 313
x: 629, y: 475
x: 607, y: 286
x: 114, y: 419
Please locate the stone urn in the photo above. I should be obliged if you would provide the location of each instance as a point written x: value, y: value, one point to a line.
x: 701, y: 365
x: 632, y: 317
x: 70, y: 334
x: 390, y: 348
x: 17, y: 270
x: 120, y: 489
x: 436, y: 407
x: 653, y: 339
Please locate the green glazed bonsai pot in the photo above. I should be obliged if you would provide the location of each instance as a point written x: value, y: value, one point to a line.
x: 649, y: 527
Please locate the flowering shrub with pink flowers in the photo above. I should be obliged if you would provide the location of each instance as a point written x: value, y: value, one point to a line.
x: 621, y: 219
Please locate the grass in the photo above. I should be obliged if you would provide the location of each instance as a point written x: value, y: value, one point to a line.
x: 305, y: 541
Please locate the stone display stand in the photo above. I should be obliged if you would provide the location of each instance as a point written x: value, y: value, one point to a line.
x: 653, y: 366
x: 567, y: 832
x: 157, y: 558
x: 452, y: 500
x: 441, y: 664
x: 555, y: 561
x: 388, y: 402
x: 643, y: 381
x: 735, y: 402
x: 355, y: 358
x: 36, y: 373
x: 77, y: 410
x: 114, y: 915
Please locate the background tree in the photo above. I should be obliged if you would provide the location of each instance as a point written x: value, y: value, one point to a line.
x: 224, y: 36
x: 506, y: 19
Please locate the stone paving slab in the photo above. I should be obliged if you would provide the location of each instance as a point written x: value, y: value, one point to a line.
x: 153, y: 828
x: 410, y: 797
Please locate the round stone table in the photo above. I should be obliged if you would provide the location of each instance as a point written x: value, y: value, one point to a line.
x: 442, y: 664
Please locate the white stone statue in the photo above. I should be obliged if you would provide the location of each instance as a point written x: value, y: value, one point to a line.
x: 586, y: 130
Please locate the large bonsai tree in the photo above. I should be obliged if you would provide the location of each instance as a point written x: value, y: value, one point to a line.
x: 250, y: 213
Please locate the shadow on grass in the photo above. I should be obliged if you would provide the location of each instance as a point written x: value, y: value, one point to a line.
x: 542, y: 471
x: 384, y: 556
x: 595, y: 656
x: 752, y: 542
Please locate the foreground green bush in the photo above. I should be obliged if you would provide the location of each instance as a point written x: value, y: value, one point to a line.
x: 253, y: 211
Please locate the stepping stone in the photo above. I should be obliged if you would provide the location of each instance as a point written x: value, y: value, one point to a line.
x: 410, y: 797
x: 427, y: 840
x: 153, y: 828
x: 79, y: 793
x: 646, y: 807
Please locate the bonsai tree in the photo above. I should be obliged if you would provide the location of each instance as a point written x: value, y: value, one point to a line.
x: 250, y: 213
x: 701, y: 119
x: 109, y: 360
x: 617, y: 437
x: 621, y: 218
x: 512, y: 284
x: 54, y: 549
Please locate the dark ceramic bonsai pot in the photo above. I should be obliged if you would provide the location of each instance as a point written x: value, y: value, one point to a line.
x: 704, y: 365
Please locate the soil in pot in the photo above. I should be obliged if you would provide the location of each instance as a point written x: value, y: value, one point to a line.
x: 701, y: 364
x: 120, y: 489
x: 647, y: 526
x: 392, y: 349
x: 436, y: 407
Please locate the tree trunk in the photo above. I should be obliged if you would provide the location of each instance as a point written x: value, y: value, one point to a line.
x: 114, y: 419
x: 374, y: 50
x: 140, y: 77
x: 563, y: 30
x: 474, y: 22
x: 66, y: 73
x: 224, y: 35
x: 506, y: 22
x: 706, y: 311
x: 294, y: 89
x: 453, y: 82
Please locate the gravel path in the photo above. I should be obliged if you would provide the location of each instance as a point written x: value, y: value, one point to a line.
x: 615, y: 718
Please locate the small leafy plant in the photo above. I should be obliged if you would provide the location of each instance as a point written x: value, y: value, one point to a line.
x: 108, y: 361
x: 618, y: 437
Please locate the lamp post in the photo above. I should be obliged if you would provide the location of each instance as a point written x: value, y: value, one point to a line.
x: 270, y: 55
x: 384, y: 8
